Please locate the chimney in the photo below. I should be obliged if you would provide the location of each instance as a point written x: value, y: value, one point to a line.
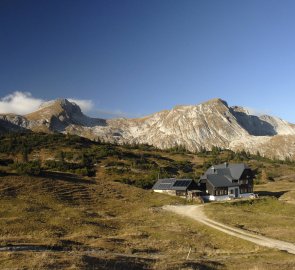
x: 225, y: 164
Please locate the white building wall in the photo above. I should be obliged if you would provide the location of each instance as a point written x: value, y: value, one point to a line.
x: 247, y: 195
x: 217, y: 198
x: 227, y: 197
x: 158, y: 190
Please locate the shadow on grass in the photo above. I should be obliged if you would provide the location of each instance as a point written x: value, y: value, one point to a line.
x: 26, y: 247
x: 202, y: 265
x: 133, y: 263
x: 68, y: 177
x: 276, y: 194
x: 117, y: 263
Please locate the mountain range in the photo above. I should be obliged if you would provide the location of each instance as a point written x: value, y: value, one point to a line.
x: 212, y: 123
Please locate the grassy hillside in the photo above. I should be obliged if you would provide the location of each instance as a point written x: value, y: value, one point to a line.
x: 107, y: 218
x: 137, y: 165
x: 268, y: 216
x: 272, y: 215
x: 100, y: 224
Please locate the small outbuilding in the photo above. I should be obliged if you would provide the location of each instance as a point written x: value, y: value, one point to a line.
x: 178, y: 187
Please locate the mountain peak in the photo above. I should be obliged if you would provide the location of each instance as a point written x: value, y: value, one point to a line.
x: 60, y: 113
x: 61, y: 102
x: 216, y: 101
x: 60, y: 109
x: 212, y: 123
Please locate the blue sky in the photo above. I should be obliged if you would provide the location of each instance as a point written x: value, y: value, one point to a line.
x: 133, y: 58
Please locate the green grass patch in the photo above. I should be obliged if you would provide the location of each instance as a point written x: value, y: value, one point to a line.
x: 267, y: 216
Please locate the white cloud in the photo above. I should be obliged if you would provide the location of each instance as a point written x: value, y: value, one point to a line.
x: 24, y: 103
x: 19, y: 103
x: 86, y: 105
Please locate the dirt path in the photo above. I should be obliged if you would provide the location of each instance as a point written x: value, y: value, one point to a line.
x: 196, y: 212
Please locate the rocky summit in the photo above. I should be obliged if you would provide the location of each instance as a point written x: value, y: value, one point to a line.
x: 212, y: 123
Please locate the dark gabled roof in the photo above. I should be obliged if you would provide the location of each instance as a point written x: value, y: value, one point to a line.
x: 223, y: 175
x: 172, y: 184
x: 217, y: 180
x: 234, y: 171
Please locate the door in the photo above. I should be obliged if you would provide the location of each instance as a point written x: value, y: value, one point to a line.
x: 236, y: 192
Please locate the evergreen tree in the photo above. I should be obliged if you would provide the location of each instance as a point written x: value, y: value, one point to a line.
x: 264, y: 176
x: 61, y: 156
x: 25, y: 154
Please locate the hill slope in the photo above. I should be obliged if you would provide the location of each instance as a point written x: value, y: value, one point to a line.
x: 100, y: 223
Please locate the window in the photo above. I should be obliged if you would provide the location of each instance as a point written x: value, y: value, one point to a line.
x: 243, y: 181
x: 219, y: 192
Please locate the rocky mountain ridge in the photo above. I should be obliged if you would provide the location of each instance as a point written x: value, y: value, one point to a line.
x: 212, y: 123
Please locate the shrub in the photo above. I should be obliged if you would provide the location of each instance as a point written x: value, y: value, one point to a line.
x: 140, y: 183
x: 6, y: 162
x: 28, y: 168
x: 179, y: 149
x: 82, y: 171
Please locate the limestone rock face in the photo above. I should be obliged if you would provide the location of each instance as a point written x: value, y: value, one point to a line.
x: 57, y: 115
x: 13, y: 123
x: 212, y: 123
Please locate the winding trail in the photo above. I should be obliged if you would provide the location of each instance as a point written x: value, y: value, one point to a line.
x: 196, y: 212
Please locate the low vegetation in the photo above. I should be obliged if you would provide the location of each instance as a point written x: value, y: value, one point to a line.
x: 90, y: 204
x: 138, y: 165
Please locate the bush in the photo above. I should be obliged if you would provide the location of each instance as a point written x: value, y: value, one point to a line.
x: 119, y: 170
x: 6, y: 162
x: 140, y: 183
x: 28, y: 168
x: 78, y: 168
x: 185, y: 166
x: 104, y: 151
x: 144, y: 164
x: 144, y: 147
x: 179, y: 149
x: 82, y: 171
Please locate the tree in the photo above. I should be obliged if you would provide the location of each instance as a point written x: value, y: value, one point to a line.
x: 61, y: 156
x: 264, y: 176
x: 25, y: 154
x: 28, y: 168
x: 244, y: 154
x: 258, y: 154
x: 215, y: 150
x: 230, y: 155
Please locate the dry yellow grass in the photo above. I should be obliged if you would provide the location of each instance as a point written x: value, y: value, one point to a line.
x: 272, y: 215
x: 101, y: 224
